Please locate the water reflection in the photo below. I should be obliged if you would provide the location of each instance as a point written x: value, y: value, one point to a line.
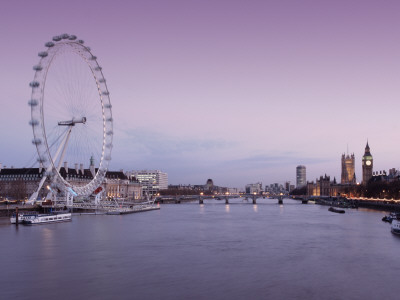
x: 255, y: 208
x: 47, y: 240
x: 227, y: 208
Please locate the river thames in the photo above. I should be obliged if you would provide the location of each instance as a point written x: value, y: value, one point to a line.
x: 209, y: 251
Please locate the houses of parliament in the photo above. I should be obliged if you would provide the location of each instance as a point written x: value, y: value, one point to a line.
x: 325, y: 187
x: 348, y: 167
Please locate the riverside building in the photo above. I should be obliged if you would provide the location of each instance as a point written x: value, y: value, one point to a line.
x: 348, y: 170
x: 254, y: 188
x: 275, y: 189
x: 301, y: 176
x: 152, y: 181
x: 21, y: 183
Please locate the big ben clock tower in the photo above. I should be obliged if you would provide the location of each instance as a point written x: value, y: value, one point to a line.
x: 367, y: 165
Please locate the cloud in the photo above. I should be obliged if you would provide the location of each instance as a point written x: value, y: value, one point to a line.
x: 146, y: 142
x: 193, y: 160
x: 262, y: 161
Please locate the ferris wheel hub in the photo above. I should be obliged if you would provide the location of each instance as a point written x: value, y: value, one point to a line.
x: 72, y: 122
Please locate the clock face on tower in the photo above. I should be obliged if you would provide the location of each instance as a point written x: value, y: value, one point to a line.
x: 368, y: 162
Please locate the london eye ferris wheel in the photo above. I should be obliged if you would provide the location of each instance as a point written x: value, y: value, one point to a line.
x: 71, y: 113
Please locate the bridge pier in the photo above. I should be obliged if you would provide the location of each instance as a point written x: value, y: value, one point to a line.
x: 16, y: 216
x: 200, y: 200
x: 254, y: 200
x: 280, y: 200
x: 226, y: 200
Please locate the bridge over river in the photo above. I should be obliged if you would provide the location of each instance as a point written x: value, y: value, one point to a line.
x: 202, y: 198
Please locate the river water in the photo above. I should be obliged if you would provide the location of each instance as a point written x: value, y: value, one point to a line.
x: 209, y: 251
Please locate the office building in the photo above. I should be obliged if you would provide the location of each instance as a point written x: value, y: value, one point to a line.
x: 254, y: 188
x: 152, y: 181
x: 301, y: 178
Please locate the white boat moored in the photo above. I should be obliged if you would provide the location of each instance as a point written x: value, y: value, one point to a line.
x: 395, y: 228
x: 49, y: 218
x: 23, y: 216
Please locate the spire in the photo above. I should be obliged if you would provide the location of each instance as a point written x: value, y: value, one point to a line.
x: 92, y: 169
x: 367, y: 150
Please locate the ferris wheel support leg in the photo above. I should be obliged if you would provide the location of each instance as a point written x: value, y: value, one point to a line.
x: 34, y: 196
x: 51, y: 194
x: 64, y: 144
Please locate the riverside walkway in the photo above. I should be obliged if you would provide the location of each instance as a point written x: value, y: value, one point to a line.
x: 372, y: 203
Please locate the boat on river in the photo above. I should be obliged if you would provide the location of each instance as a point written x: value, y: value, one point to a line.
x: 335, y: 210
x: 23, y: 216
x: 392, y: 216
x: 48, y: 218
x: 395, y: 227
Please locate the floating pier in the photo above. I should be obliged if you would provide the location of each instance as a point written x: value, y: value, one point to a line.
x: 125, y: 211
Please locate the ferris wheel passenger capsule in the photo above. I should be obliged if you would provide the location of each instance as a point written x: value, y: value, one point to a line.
x: 105, y: 93
x: 49, y: 44
x: 102, y: 80
x: 33, y: 122
x: 34, y: 84
x: 38, y: 68
x: 43, y: 54
x: 108, y: 106
x: 57, y: 38
x: 65, y: 36
x: 109, y: 132
x: 72, y: 37
x: 81, y: 41
x: 98, y: 68
x: 33, y: 102
x: 36, y: 141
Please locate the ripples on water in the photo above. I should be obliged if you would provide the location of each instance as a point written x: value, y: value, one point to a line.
x: 209, y: 251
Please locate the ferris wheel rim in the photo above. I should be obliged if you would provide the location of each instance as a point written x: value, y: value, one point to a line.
x: 40, y: 139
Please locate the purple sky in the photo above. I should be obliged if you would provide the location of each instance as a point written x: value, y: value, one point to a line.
x: 236, y: 91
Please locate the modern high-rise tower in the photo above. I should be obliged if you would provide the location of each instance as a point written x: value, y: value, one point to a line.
x: 300, y: 176
x: 348, y: 169
x: 367, y: 165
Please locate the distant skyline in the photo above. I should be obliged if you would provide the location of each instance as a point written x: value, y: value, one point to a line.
x: 236, y: 91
